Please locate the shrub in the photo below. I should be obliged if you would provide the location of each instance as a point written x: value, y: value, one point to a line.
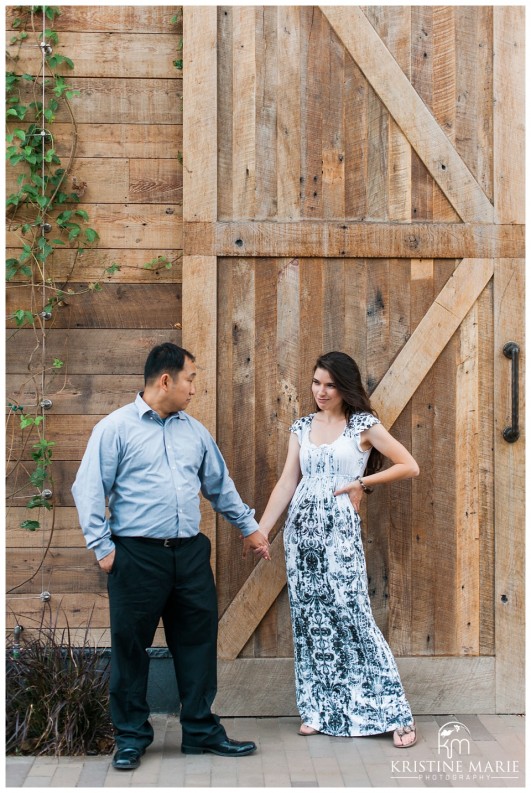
x: 57, y: 697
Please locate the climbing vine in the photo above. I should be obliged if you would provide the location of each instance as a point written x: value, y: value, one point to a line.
x: 43, y: 214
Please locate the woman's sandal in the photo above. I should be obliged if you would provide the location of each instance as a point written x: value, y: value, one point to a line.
x: 305, y: 730
x: 409, y: 732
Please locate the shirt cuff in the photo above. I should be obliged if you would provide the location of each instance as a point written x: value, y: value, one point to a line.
x: 104, y: 548
x: 250, y: 528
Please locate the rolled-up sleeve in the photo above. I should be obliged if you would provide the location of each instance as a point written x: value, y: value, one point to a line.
x: 218, y: 487
x: 92, y: 487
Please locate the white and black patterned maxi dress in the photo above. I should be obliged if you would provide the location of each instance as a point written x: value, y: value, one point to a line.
x: 347, y: 681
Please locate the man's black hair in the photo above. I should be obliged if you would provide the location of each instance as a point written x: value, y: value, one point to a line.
x: 163, y: 358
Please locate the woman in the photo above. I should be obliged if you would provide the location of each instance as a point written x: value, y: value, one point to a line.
x: 347, y: 682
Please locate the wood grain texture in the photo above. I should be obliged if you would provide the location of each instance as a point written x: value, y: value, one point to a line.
x: 74, y: 394
x: 131, y: 100
x: 267, y: 70
x: 432, y: 685
x: 487, y: 470
x: 67, y: 533
x: 200, y: 121
x: 146, y: 55
x: 69, y: 433
x: 288, y: 113
x: 467, y: 466
x: 83, y: 350
x: 125, y: 226
x: 244, y: 153
x: 354, y: 239
x: 199, y: 337
x: 135, y: 266
x: 116, y: 306
x: 130, y: 19
x: 132, y: 141
x: 68, y: 570
x: 509, y: 123
x: 410, y: 113
x: 508, y: 493
x: 434, y: 331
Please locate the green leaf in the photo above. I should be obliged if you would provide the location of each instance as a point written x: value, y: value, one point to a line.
x: 26, y: 252
x: 22, y: 317
x: 91, y: 235
x: 82, y: 214
x: 30, y: 525
x: 38, y: 476
x: 39, y: 501
x: 57, y: 60
x: 12, y: 268
x: 64, y: 217
x: 74, y: 232
x: 58, y: 363
x: 30, y: 191
x: 26, y: 421
x: 112, y: 269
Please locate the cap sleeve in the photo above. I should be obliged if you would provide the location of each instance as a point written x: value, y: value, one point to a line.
x: 362, y: 421
x: 299, y: 426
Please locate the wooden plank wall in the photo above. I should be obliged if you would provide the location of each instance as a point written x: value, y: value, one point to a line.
x: 129, y: 128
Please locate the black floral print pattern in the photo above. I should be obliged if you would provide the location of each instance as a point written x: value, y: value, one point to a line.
x: 347, y: 681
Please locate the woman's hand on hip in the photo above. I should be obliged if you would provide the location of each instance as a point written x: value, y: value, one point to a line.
x: 354, y: 491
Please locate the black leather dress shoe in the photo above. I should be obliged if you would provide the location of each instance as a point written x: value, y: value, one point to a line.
x: 127, y: 759
x: 225, y: 748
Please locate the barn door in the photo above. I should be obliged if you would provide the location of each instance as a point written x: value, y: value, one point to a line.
x: 353, y: 179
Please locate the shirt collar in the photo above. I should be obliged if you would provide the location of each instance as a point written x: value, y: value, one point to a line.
x: 144, y: 408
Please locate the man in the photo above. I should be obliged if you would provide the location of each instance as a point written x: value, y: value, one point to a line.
x: 149, y: 460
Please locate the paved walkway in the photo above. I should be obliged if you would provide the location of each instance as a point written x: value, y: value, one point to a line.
x: 492, y: 755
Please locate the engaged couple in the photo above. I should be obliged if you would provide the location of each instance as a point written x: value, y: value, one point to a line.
x: 137, y: 495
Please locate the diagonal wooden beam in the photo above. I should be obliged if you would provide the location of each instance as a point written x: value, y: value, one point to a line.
x: 390, y: 397
x: 430, y: 337
x: 410, y: 113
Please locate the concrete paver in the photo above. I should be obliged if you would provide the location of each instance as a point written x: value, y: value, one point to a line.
x: 492, y: 756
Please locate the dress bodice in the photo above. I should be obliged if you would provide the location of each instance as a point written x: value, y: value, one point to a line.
x: 343, y: 458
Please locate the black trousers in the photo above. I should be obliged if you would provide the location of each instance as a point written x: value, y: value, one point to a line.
x: 148, y: 582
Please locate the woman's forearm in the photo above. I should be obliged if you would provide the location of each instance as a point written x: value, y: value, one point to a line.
x: 278, y: 501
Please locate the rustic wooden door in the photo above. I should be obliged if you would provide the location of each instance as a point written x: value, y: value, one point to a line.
x: 353, y: 179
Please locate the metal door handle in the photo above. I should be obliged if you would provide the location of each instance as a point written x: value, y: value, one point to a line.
x: 512, y: 350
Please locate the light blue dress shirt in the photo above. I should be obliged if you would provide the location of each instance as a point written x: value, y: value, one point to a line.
x: 150, y: 472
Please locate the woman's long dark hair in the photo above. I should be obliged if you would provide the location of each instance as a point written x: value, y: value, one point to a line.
x: 346, y: 375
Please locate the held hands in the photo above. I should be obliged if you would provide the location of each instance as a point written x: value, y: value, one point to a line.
x: 258, y: 544
x: 354, y: 491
